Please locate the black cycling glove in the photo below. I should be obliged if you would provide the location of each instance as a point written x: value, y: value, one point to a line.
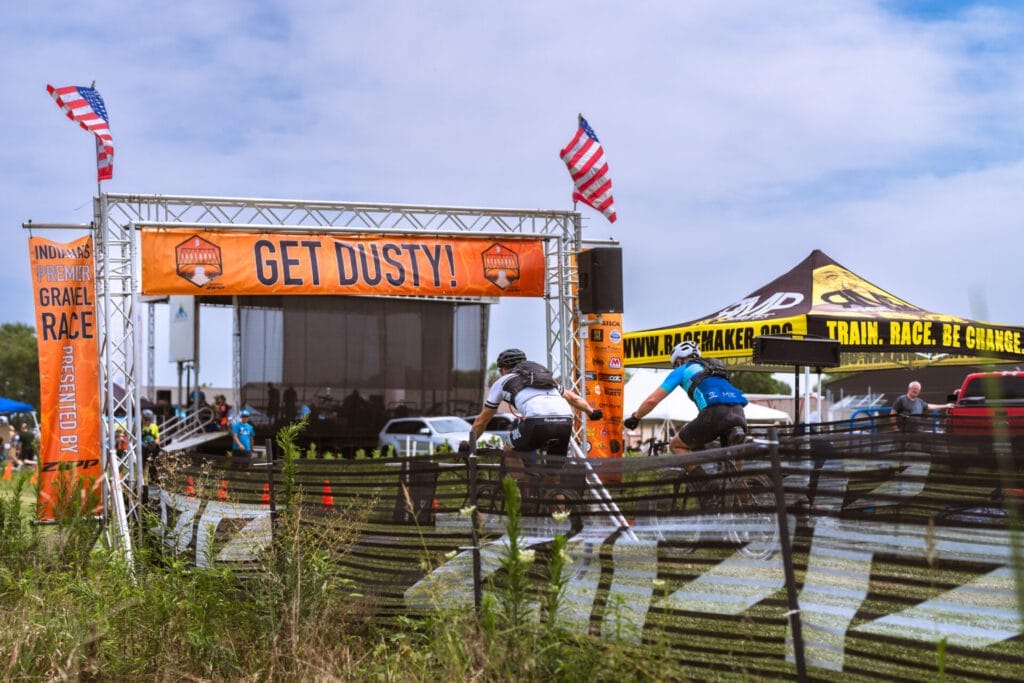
x: 596, y: 415
x: 631, y: 422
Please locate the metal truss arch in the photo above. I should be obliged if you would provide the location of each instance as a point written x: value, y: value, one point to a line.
x: 118, y: 281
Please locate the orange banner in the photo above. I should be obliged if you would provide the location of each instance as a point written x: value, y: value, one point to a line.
x: 211, y: 262
x: 605, y: 380
x: 65, y: 296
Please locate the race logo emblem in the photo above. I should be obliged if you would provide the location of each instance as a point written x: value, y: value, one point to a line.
x: 615, y: 362
x: 615, y: 336
x: 198, y: 261
x: 501, y: 265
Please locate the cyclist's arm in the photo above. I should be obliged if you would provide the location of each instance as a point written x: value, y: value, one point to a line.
x: 656, y: 397
x: 480, y: 423
x: 495, y: 395
x: 577, y: 401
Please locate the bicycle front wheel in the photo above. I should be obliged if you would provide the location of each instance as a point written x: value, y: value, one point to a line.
x: 669, y: 511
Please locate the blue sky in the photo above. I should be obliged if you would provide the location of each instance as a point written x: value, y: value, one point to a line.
x: 740, y: 135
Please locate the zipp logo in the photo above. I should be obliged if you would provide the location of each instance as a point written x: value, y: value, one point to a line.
x: 71, y: 464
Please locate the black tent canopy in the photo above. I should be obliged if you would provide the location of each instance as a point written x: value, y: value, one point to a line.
x: 822, y: 298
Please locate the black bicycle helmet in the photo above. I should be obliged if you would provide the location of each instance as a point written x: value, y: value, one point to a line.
x: 509, y: 358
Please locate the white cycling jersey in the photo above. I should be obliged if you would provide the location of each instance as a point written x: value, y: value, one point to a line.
x: 529, y: 402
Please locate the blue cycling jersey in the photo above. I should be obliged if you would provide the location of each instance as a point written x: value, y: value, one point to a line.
x: 711, y: 391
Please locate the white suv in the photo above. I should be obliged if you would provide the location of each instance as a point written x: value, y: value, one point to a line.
x: 422, y: 435
x: 498, y: 431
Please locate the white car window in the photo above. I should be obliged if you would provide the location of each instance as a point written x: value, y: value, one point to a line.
x: 447, y: 425
x: 406, y: 427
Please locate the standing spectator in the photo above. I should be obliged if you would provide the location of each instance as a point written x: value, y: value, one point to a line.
x: 242, y: 434
x: 290, y: 398
x: 150, y: 444
x: 12, y: 446
x: 908, y: 410
x: 220, y: 404
x: 150, y: 430
x: 26, y: 445
x: 273, y: 402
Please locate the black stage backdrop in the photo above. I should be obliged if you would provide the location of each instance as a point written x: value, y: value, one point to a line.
x: 353, y: 362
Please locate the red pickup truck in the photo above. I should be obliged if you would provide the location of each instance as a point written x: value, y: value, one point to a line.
x: 988, y: 404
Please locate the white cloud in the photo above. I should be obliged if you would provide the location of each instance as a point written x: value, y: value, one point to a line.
x: 740, y: 135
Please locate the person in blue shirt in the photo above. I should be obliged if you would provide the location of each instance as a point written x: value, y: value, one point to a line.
x: 242, y: 433
x: 719, y: 403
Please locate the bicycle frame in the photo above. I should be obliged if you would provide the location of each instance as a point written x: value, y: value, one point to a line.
x: 597, y: 488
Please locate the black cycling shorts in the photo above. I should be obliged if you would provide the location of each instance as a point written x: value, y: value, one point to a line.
x: 534, y: 432
x: 711, y: 423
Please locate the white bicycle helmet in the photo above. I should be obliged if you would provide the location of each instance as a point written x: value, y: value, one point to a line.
x: 684, y: 350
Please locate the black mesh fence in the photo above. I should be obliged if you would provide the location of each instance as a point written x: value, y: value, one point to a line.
x: 905, y: 554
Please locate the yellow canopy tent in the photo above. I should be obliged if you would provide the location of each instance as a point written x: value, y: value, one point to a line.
x: 821, y: 298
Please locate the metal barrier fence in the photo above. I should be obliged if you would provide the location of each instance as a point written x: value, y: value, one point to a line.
x: 897, y: 554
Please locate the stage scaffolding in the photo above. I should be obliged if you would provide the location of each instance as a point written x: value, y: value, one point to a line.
x: 118, y: 289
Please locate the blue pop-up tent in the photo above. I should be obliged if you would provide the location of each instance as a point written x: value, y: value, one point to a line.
x: 8, y: 406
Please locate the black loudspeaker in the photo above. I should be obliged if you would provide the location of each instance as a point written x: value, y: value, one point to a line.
x: 808, y: 351
x: 600, y: 288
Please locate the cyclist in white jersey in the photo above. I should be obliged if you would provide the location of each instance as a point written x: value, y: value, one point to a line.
x: 546, y: 413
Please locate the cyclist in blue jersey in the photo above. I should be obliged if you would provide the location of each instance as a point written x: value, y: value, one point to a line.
x: 720, y: 404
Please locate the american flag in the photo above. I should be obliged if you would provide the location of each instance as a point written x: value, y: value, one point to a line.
x: 585, y: 159
x: 85, y: 106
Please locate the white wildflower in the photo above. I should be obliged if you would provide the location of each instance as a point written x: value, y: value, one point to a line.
x: 467, y: 511
x: 560, y: 516
x: 659, y: 583
x: 528, y: 556
x: 451, y: 554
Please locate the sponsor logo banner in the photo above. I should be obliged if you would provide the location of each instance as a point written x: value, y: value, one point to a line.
x: 939, y: 338
x: 940, y: 335
x: 603, y: 349
x: 64, y: 285
x: 721, y: 340
x: 210, y: 262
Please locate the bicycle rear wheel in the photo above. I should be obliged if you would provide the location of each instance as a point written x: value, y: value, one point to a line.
x: 755, y: 530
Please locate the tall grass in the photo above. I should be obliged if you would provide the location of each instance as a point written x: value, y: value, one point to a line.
x: 71, y: 609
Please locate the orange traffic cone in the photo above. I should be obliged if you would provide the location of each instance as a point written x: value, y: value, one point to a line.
x: 265, y: 498
x: 8, y: 471
x: 222, y: 494
x: 327, y: 500
x: 190, y: 488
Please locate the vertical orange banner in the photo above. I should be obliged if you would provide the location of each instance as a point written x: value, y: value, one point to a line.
x: 63, y: 278
x: 605, y: 380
